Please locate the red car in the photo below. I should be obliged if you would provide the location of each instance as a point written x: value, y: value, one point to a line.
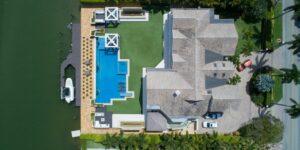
x: 246, y: 63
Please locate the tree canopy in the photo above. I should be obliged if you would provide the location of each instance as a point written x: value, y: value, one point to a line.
x: 291, y: 75
x: 173, y: 141
x: 263, y: 130
x: 294, y: 110
x: 295, y: 44
x: 255, y: 10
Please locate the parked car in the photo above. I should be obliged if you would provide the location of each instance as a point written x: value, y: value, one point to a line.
x: 246, y: 63
x: 210, y: 124
x: 213, y: 115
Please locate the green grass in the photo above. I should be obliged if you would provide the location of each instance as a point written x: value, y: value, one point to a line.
x: 277, y: 89
x: 269, y: 98
x: 241, y: 25
x: 278, y: 22
x: 141, y: 42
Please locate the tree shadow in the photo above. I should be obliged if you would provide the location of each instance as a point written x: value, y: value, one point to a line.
x: 262, y: 111
x: 112, y: 25
x: 259, y: 63
x: 257, y: 36
x: 248, y: 87
x: 141, y: 96
x: 156, y: 8
x: 225, y: 13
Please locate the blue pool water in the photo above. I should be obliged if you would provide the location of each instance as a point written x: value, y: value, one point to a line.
x: 110, y: 74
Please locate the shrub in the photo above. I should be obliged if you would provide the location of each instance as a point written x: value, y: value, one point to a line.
x: 172, y: 141
x: 92, y: 1
x: 264, y: 83
x: 255, y: 10
x: 235, y: 59
x: 247, y: 48
x: 93, y: 137
x: 234, y: 80
x: 263, y: 130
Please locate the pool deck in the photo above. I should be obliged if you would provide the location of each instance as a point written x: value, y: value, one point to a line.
x: 88, y: 81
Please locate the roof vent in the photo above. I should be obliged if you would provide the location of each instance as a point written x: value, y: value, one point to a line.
x: 176, y: 93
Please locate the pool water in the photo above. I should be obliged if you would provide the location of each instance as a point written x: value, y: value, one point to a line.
x: 111, y: 74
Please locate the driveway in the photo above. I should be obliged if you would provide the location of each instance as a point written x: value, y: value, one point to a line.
x: 238, y: 114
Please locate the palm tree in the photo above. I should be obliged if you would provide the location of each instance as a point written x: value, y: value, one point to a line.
x: 295, y: 8
x: 235, y: 59
x: 294, y: 110
x: 295, y: 44
x: 108, y: 142
x: 291, y: 75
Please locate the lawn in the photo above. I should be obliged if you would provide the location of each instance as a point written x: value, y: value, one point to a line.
x: 277, y: 88
x: 142, y: 44
x: 255, y: 28
x: 269, y: 98
x: 278, y: 22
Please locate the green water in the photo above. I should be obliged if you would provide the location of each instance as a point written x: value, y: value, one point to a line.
x: 33, y: 40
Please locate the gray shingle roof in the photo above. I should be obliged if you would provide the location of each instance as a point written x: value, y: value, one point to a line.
x: 199, y: 43
x: 156, y: 122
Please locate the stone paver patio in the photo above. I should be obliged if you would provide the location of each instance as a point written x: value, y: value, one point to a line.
x: 88, y: 75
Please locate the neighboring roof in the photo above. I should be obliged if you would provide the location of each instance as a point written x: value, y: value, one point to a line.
x: 195, y: 64
x: 156, y: 122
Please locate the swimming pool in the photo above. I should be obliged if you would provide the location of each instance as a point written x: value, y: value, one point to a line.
x: 111, y: 74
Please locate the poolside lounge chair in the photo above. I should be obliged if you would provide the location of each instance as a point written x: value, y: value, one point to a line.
x: 126, y: 94
x: 121, y: 83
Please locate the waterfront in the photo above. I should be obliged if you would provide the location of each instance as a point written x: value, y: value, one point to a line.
x: 33, y: 40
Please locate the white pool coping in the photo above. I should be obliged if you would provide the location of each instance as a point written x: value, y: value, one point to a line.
x: 127, y: 77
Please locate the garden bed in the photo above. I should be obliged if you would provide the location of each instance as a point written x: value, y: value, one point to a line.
x: 267, y: 98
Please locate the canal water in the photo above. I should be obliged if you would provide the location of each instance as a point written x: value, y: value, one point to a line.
x: 34, y: 39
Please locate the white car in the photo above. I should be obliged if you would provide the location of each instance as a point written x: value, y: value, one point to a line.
x: 210, y: 124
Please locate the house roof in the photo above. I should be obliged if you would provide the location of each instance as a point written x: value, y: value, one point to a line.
x: 198, y: 71
x: 156, y: 122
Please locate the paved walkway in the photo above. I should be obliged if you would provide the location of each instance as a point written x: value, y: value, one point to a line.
x: 88, y: 74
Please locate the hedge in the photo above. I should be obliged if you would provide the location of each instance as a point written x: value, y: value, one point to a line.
x: 127, y: 1
x: 92, y: 1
